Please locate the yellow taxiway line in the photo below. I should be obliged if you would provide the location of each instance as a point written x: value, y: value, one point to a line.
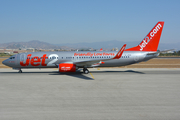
x: 92, y: 75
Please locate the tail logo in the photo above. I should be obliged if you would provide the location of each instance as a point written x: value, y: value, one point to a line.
x: 155, y: 30
x: 152, y: 33
x: 144, y: 43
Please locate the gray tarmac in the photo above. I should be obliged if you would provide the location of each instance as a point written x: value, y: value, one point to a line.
x: 105, y: 94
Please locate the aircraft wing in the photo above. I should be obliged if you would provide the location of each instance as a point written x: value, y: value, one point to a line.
x: 100, y: 61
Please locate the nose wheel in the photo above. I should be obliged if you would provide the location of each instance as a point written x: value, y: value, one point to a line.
x: 85, y: 71
x: 20, y: 71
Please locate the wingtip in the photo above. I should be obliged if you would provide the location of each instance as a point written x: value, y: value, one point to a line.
x: 119, y: 54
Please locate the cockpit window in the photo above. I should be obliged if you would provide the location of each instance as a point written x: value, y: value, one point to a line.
x: 12, y: 58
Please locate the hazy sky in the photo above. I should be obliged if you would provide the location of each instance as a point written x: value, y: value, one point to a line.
x: 71, y: 21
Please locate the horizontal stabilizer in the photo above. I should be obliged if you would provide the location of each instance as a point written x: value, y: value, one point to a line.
x: 160, y: 52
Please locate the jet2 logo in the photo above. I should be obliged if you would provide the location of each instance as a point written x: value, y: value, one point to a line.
x: 34, y: 61
x: 146, y: 39
x: 144, y: 43
x: 155, y: 30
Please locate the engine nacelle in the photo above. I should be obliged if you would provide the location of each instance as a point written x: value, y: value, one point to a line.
x: 67, y: 67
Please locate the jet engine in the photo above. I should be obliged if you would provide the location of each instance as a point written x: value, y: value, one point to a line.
x: 67, y: 67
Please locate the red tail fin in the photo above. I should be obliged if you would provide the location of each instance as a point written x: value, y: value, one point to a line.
x: 151, y: 41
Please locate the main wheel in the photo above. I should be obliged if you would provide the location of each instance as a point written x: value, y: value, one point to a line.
x: 86, y: 71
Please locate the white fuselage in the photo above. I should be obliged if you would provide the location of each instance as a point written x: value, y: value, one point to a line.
x: 81, y: 59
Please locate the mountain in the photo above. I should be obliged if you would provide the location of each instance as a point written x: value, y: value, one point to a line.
x: 167, y: 46
x: 106, y: 45
x: 31, y: 44
x: 103, y: 44
x: 117, y: 44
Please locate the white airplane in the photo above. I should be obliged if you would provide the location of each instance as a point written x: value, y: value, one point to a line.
x: 72, y: 61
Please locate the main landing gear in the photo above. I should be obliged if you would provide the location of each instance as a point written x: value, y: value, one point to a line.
x: 85, y: 71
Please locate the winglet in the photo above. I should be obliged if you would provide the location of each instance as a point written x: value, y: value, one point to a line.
x: 119, y: 54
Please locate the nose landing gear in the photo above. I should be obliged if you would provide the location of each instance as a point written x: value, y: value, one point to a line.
x: 20, y: 71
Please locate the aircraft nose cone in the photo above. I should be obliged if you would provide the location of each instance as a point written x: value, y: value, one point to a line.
x: 4, y: 62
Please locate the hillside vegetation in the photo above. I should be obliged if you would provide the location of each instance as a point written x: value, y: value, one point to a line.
x: 176, y: 53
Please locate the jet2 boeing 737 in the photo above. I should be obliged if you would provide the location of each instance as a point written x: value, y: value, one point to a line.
x: 72, y: 61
